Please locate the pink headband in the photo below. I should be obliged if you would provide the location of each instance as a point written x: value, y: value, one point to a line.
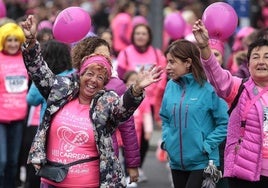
x: 98, y: 59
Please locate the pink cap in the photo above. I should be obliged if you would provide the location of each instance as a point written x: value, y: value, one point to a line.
x: 217, y: 45
x: 98, y: 59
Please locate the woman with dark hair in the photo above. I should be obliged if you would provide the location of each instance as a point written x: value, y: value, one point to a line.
x: 194, y: 118
x: 246, y: 151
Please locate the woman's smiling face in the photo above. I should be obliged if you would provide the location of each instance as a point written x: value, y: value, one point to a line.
x: 92, y: 81
x: 11, y: 45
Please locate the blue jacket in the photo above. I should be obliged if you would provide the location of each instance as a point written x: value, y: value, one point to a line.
x: 194, y: 123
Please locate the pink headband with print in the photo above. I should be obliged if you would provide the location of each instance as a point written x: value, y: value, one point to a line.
x: 217, y: 45
x: 98, y: 59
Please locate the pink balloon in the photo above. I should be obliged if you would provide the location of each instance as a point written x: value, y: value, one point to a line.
x: 3, y: 10
x: 220, y: 20
x: 71, y: 25
x: 174, y: 25
x: 139, y: 20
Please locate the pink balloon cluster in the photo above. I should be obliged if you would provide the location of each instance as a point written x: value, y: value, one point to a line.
x: 71, y: 25
x: 220, y: 20
x: 174, y: 25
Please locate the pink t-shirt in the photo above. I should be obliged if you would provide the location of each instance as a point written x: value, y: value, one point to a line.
x: 13, y: 88
x: 131, y: 59
x: 71, y: 138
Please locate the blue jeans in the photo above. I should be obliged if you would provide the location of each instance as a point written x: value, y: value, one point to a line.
x: 10, y: 144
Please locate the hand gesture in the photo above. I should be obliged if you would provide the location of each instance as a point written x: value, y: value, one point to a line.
x: 29, y: 27
x: 147, y: 77
x: 200, y: 33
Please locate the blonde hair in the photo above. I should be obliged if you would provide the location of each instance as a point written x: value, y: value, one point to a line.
x: 11, y: 29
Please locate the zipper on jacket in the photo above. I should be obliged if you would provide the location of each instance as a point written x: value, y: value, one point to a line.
x: 174, y: 114
x: 186, y: 115
x: 180, y: 124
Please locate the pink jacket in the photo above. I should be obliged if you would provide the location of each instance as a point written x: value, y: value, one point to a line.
x: 121, y: 26
x: 127, y: 130
x: 242, y: 159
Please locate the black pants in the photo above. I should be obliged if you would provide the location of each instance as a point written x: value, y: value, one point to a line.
x: 144, y: 148
x: 32, y: 181
x: 187, y: 179
x: 239, y: 183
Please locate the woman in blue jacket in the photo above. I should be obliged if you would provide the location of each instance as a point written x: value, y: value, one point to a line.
x: 194, y: 118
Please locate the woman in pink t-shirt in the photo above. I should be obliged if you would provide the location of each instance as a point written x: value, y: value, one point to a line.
x: 81, y: 115
x: 13, y: 105
x: 141, y: 53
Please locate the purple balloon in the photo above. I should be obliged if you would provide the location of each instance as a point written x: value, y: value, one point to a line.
x: 220, y: 20
x: 3, y: 10
x: 174, y: 25
x: 71, y: 25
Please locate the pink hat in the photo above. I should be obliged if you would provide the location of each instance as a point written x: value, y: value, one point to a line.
x: 217, y: 45
x: 242, y: 33
x: 139, y: 20
x: 44, y: 24
x: 98, y: 59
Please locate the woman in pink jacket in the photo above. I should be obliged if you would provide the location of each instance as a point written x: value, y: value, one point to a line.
x: 246, y: 151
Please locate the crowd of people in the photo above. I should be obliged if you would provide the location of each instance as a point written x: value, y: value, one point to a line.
x: 97, y: 102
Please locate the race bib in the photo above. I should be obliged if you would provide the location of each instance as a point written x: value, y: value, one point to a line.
x: 16, y: 84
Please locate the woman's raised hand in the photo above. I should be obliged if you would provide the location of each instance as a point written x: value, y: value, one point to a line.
x: 147, y: 77
x: 29, y: 27
x: 201, y: 34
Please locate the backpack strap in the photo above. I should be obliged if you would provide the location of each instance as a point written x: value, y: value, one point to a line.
x: 235, y: 101
x: 156, y: 56
x: 126, y: 56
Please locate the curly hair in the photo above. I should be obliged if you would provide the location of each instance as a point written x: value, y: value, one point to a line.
x: 85, y: 48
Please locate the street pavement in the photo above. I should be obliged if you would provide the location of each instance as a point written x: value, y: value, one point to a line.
x: 156, y: 171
